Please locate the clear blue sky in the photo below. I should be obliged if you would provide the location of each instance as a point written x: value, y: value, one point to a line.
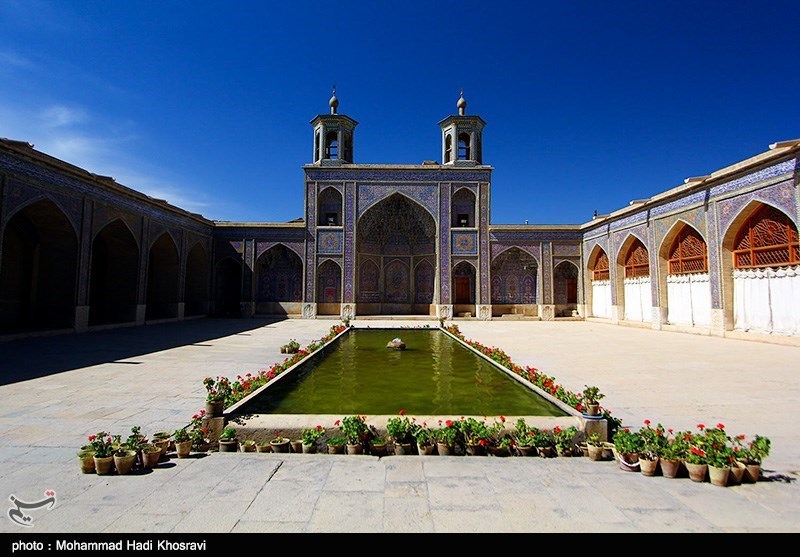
x: 588, y: 104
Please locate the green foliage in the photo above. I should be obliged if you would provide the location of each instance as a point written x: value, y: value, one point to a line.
x: 228, y: 434
x: 401, y: 429
x: 311, y: 435
x: 564, y: 438
x: 354, y: 429
x: 626, y: 442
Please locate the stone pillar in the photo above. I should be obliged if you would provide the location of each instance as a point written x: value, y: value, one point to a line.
x: 81, y: 319
x: 141, y: 310
x: 596, y: 426
x: 181, y: 311
x: 659, y: 317
x: 144, y: 260
x: 617, y: 314
x: 718, y: 322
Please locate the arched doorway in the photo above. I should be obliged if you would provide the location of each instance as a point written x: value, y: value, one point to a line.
x: 329, y: 288
x: 38, y: 269
x: 464, y: 289
x: 162, y: 279
x: 463, y: 209
x: 196, y: 283
x: 279, y: 287
x: 565, y: 283
x: 228, y: 288
x: 395, y: 251
x: 601, y: 283
x: 330, y: 208
x: 513, y: 281
x: 766, y: 271
x: 115, y: 270
x: 685, y: 255
x: 634, y: 262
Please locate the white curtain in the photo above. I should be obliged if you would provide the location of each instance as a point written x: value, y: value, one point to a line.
x: 689, y: 299
x: 601, y: 298
x: 638, y: 299
x: 767, y: 300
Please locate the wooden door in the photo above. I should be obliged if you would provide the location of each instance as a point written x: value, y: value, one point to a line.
x: 462, y: 290
x: 572, y: 291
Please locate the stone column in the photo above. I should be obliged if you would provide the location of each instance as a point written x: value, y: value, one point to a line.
x: 84, y: 268
x: 144, y: 260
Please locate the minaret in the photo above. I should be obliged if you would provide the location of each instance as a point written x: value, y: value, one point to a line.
x: 461, y: 137
x: 333, y: 136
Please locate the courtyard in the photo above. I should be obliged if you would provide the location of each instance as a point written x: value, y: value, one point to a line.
x: 57, y: 390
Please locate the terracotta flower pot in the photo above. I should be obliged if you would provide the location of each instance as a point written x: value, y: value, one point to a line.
x: 697, y: 472
x: 719, y: 476
x: 443, y: 449
x: 526, y: 450
x: 545, y: 452
x: 595, y: 453
x: 670, y: 468
x: 648, y: 467
x: 248, y: 447
x: 309, y: 449
x: 628, y: 462
x: 150, y: 457
x: 103, y: 465
x: 335, y: 449
x: 228, y: 446
x: 475, y: 450
x: 297, y: 446
x: 163, y: 445
x: 379, y: 449
x: 183, y: 448
x: 214, y: 409
x: 263, y: 448
x: 499, y: 451
x: 403, y: 448
x: 357, y: 448
x: 124, y: 463
x: 593, y: 409
x: 737, y: 473
x: 425, y: 449
x: 751, y: 473
x: 87, y: 462
x: 280, y: 445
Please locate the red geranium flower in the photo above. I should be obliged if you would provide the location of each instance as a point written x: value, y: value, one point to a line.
x: 319, y: 428
x: 336, y: 422
x: 503, y: 419
x: 402, y: 412
x: 701, y: 427
x: 448, y: 423
x: 92, y: 437
x: 721, y: 426
x: 647, y: 422
x: 627, y: 430
x: 741, y: 437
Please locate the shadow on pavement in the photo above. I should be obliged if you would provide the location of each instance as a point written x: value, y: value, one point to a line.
x: 30, y: 358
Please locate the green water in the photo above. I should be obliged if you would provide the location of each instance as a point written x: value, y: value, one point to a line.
x: 434, y: 376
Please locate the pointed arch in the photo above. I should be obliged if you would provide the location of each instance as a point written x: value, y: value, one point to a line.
x: 329, y: 283
x: 565, y: 278
x: 462, y: 208
x: 599, y: 291
x: 196, y: 283
x: 162, y: 278
x: 632, y: 282
x: 684, y: 282
x: 36, y: 201
x: 761, y: 271
x: 113, y: 280
x: 514, y: 274
x: 389, y: 194
x: 464, y: 274
x: 228, y: 287
x: 397, y: 283
x: 424, y: 278
x: 38, y: 270
x: 279, y: 276
x: 329, y: 207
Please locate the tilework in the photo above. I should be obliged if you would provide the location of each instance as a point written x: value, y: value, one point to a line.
x: 330, y: 241
x: 465, y: 243
x: 400, y: 175
x: 484, y: 232
x: 280, y: 277
x: 627, y: 221
x: 639, y: 232
x: 695, y: 217
x: 755, y: 177
x: 588, y: 247
x: 547, y: 273
x: 269, y: 234
x: 692, y: 199
x: 311, y: 233
x: 329, y: 282
x: 396, y: 282
x: 568, y: 250
x: 29, y: 169
x: 370, y: 194
x: 782, y: 196
x: 444, y: 244
x: 247, y: 277
x: 654, y: 260
x: 533, y: 236
x: 19, y: 194
x: 713, y: 249
x: 514, y: 278
x: 369, y: 278
x: 105, y: 214
x: 533, y: 249
x: 262, y: 246
x: 349, y: 242
x: 424, y: 275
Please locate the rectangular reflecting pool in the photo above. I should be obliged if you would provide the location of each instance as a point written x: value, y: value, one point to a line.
x: 435, y: 375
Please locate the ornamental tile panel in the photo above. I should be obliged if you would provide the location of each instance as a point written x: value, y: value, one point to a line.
x: 330, y: 241
x: 465, y: 243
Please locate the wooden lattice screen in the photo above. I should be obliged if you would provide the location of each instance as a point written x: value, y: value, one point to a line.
x: 688, y: 253
x: 767, y: 239
x: 600, y: 270
x: 637, y: 262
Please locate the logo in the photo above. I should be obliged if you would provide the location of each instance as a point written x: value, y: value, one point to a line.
x: 17, y: 515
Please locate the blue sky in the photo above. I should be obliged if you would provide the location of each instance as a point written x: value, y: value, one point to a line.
x: 589, y: 104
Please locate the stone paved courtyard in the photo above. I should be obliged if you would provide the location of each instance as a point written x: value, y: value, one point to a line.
x: 57, y: 390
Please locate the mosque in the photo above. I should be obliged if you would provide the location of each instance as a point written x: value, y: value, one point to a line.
x: 715, y: 255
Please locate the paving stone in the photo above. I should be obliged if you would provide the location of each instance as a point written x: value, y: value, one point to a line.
x: 351, y: 511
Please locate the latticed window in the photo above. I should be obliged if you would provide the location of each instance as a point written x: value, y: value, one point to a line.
x: 767, y: 239
x: 600, y: 271
x: 688, y: 253
x: 637, y: 262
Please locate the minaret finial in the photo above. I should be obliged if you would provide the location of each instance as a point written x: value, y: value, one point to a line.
x: 334, y: 102
x: 461, y: 104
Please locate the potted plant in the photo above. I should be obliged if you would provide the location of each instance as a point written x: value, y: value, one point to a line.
x: 543, y: 443
x: 379, y: 446
x: 161, y: 440
x: 757, y: 451
x: 183, y: 442
x: 401, y: 431
x: 591, y: 399
x: 673, y: 453
x: 627, y: 446
x: 523, y: 438
x: 247, y: 446
x: 653, y: 442
x: 476, y: 434
x: 310, y: 437
x: 719, y: 455
x: 280, y: 444
x: 355, y: 431
x: 151, y: 454
x: 263, y: 446
x: 336, y: 445
x: 565, y: 440
x: 291, y: 347
x: 124, y: 459
x: 595, y: 446
x: 446, y: 437
x: 227, y: 441
x: 86, y: 458
x: 217, y: 390
x: 102, y: 452
x: 424, y: 438
x: 696, y: 461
